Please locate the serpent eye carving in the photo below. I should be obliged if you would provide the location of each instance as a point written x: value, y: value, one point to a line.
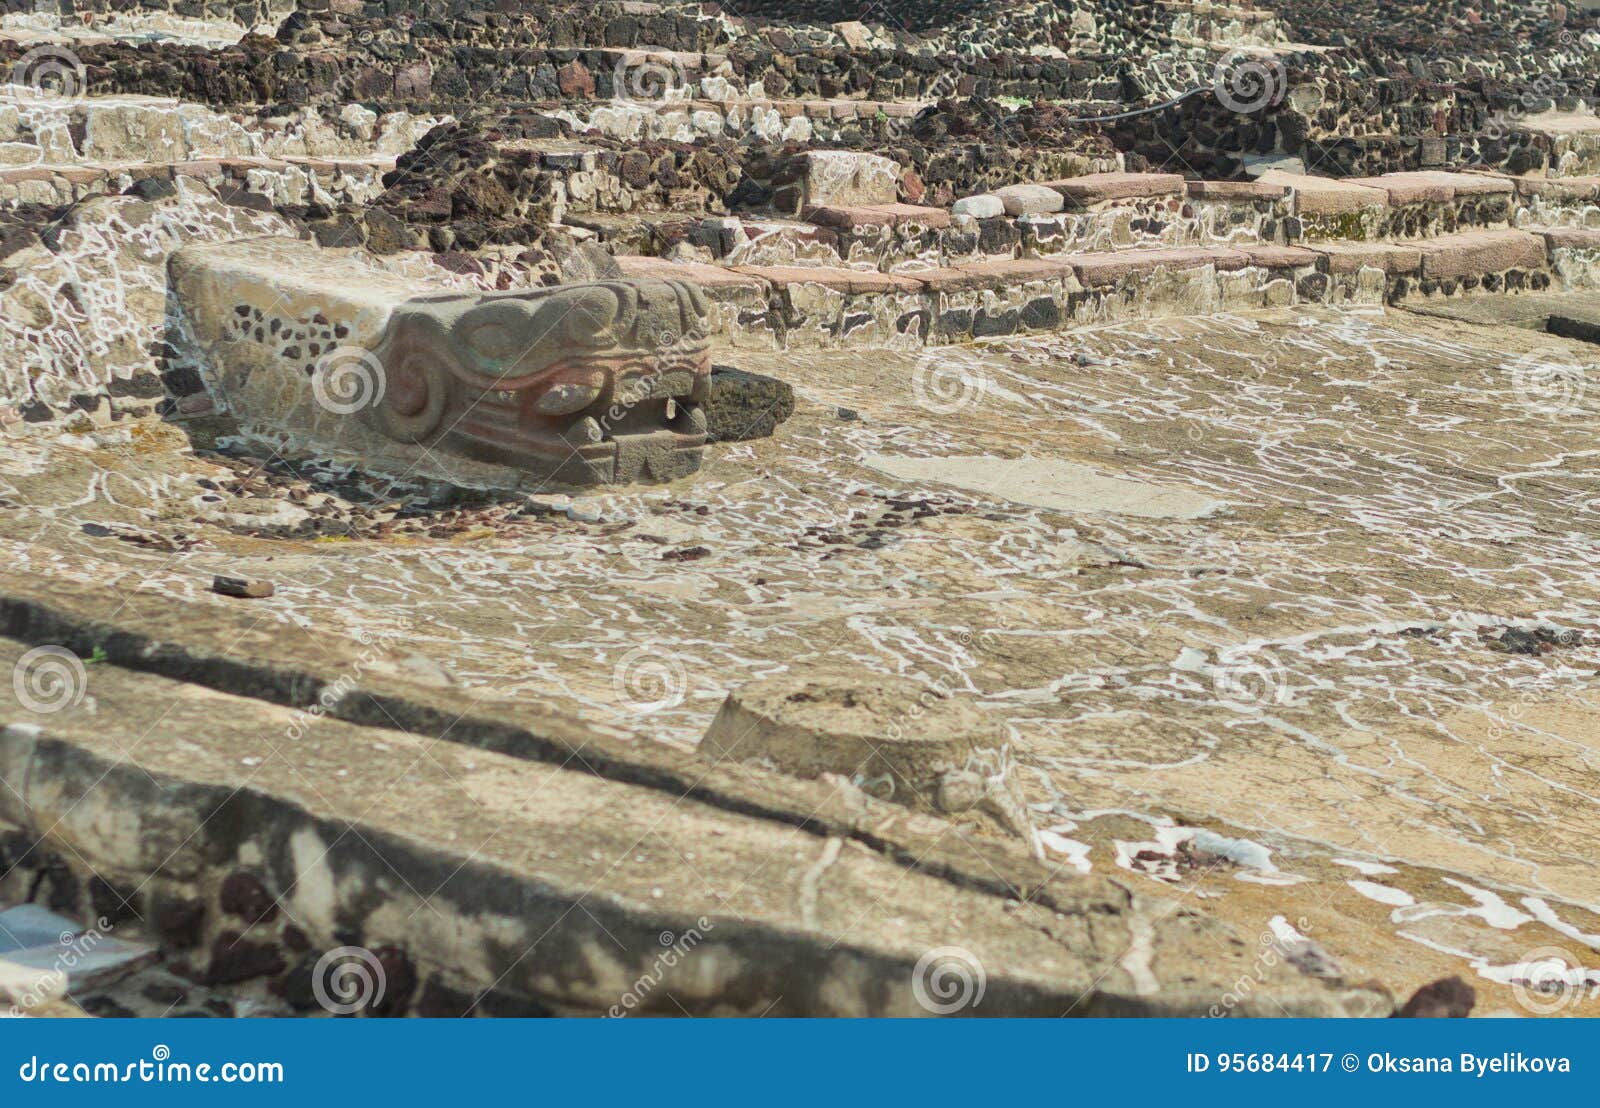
x: 494, y: 342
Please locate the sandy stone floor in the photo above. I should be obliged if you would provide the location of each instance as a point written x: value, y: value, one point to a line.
x: 1293, y: 614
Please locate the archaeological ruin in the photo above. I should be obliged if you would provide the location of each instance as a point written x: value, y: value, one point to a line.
x: 799, y: 508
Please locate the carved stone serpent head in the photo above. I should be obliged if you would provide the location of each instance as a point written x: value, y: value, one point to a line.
x: 594, y: 383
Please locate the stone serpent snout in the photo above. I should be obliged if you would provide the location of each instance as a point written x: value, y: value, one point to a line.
x: 547, y: 376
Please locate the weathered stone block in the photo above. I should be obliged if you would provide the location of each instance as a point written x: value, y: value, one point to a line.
x: 1096, y: 188
x: 1030, y: 200
x: 1476, y: 253
x: 846, y: 179
x: 580, y: 384
x: 1097, y: 270
x: 985, y: 205
x: 893, y: 737
x: 1352, y: 257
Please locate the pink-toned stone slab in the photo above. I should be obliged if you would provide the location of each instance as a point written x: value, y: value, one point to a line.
x: 1350, y: 257
x: 1429, y: 186
x: 1559, y: 188
x: 1099, y: 270
x: 996, y: 274
x: 30, y: 173
x: 1402, y: 190
x: 1326, y: 196
x: 1475, y: 253
x: 872, y: 215
x: 205, y: 167
x: 93, y: 174
x: 244, y: 165
x: 1235, y: 190
x: 843, y: 280
x: 1279, y: 257
x: 1573, y: 238
x: 1094, y: 188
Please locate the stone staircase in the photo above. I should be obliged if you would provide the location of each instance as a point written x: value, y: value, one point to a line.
x: 56, y: 152
x: 696, y: 158
x: 1110, y: 247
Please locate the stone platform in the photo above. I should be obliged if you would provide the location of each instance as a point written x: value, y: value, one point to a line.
x: 503, y: 866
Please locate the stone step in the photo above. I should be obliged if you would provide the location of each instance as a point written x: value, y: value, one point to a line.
x: 1087, y: 191
x: 1435, y: 187
x: 114, y: 130
x: 1557, y: 202
x: 733, y: 116
x: 499, y: 871
x: 1109, y: 268
x: 877, y: 215
x: 280, y: 181
x: 1479, y: 253
x: 1327, y: 196
x: 1391, y: 258
x: 830, y: 305
x: 1120, y: 210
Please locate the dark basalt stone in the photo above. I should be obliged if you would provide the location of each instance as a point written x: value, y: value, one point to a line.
x: 742, y: 405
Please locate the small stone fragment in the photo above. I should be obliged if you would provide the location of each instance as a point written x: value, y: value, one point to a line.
x: 743, y: 405
x: 893, y: 737
x: 244, y: 588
